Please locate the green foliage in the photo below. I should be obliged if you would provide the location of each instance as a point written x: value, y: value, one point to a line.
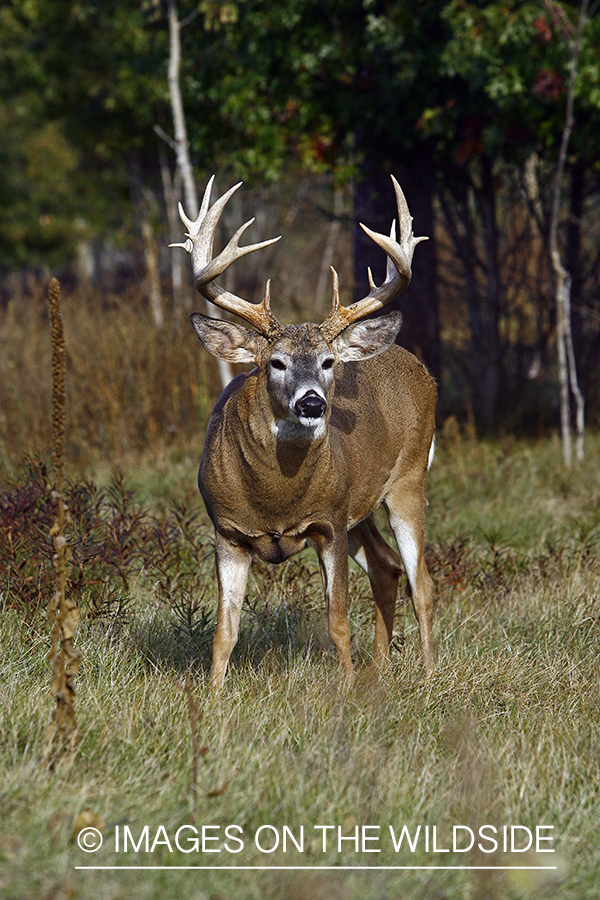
x: 37, y: 205
x: 513, y: 61
x: 81, y: 87
x: 264, y: 83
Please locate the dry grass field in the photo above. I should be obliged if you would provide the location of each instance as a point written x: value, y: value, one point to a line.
x: 286, y: 787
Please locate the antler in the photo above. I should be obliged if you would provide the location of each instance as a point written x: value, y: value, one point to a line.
x: 200, y: 239
x: 397, y: 277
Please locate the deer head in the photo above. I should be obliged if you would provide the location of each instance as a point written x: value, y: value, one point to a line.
x: 299, y: 383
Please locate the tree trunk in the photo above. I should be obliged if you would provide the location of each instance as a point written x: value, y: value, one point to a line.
x: 181, y: 140
x: 152, y: 268
x: 567, y: 370
x: 470, y: 219
x: 573, y: 249
x: 144, y: 202
x: 324, y: 281
x: 182, y: 149
x: 172, y: 192
x: 490, y: 313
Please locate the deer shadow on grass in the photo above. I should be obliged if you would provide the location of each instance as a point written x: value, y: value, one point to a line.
x: 284, y: 619
x: 271, y: 633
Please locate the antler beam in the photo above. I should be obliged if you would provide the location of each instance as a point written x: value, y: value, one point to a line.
x: 199, y: 244
x: 397, y: 278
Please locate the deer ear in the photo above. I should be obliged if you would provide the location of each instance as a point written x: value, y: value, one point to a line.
x: 366, y: 338
x: 228, y: 341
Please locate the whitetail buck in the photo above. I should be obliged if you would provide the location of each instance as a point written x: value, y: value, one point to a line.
x: 334, y: 420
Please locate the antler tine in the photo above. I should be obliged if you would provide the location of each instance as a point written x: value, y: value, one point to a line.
x: 397, y: 277
x: 193, y: 226
x: 200, y: 240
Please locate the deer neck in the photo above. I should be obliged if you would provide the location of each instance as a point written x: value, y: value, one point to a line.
x: 272, y: 442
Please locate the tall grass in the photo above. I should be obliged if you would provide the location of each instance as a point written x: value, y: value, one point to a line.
x: 130, y: 386
x: 505, y: 733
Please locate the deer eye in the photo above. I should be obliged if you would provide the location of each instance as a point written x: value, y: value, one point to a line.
x: 327, y: 363
x: 278, y: 364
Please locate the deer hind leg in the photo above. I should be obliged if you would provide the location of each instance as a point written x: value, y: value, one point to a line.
x: 233, y: 563
x: 384, y: 567
x: 333, y: 560
x: 405, y: 504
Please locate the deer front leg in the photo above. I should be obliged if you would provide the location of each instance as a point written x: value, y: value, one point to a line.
x: 333, y: 559
x: 233, y: 563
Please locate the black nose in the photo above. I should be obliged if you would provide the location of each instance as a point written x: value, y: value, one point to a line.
x: 311, y: 406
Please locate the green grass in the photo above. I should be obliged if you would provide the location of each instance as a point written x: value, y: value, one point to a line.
x: 505, y: 733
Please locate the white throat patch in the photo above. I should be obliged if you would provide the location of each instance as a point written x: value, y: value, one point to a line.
x: 301, y: 430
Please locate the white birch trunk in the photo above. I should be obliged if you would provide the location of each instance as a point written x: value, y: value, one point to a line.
x: 190, y: 194
x: 567, y: 370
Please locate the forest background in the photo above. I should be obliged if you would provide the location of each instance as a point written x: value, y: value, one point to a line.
x: 313, y: 105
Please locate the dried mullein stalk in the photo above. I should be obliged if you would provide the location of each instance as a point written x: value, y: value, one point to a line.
x: 62, y: 733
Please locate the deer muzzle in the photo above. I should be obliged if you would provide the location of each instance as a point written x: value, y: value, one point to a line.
x: 310, y: 406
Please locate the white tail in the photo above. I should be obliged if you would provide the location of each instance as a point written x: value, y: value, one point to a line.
x: 334, y: 420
